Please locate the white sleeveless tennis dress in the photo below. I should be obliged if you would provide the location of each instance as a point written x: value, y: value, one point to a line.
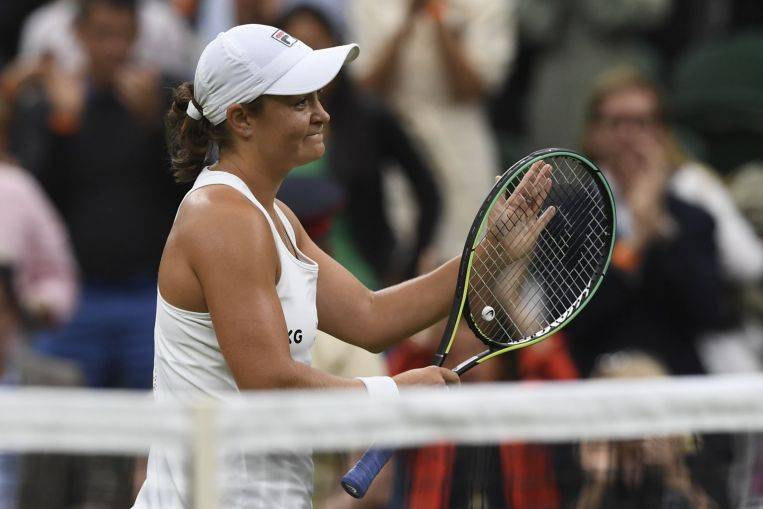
x: 188, y: 363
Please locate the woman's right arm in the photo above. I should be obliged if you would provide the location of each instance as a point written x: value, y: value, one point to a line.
x: 232, y: 251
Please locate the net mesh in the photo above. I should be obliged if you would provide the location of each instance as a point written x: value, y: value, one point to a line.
x: 527, y: 278
x: 651, y: 443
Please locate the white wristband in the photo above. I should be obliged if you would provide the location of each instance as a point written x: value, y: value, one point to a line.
x: 379, y: 385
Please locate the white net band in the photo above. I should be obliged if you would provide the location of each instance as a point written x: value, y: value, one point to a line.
x: 119, y: 422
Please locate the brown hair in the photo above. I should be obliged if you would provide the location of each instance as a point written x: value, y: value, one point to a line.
x: 623, y: 78
x: 189, y: 141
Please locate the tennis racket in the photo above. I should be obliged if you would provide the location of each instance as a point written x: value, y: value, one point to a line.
x: 535, y: 255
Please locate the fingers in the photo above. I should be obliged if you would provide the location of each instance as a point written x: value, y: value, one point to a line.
x: 449, y: 376
x: 527, y: 180
x: 431, y: 375
x: 543, y: 221
x: 542, y: 188
x: 532, y: 190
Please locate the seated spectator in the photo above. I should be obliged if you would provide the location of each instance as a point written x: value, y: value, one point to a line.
x: 740, y: 251
x: 33, y: 240
x: 649, y: 473
x: 363, y: 139
x: 32, y: 480
x: 95, y: 142
x: 10, y: 314
x: 665, y: 287
x: 511, y: 475
x: 747, y: 188
x: 164, y: 42
x: 42, y: 481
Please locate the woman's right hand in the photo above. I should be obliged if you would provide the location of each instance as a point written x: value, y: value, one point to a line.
x: 431, y: 375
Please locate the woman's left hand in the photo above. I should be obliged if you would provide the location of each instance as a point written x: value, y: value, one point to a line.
x: 514, y: 223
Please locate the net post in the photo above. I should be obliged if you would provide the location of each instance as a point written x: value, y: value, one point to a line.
x: 205, y: 456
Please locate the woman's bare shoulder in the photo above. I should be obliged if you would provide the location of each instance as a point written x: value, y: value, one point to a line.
x: 220, y: 217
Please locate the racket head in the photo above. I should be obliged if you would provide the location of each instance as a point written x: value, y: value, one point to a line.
x: 511, y: 302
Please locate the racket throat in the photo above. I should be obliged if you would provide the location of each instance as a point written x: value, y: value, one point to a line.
x: 468, y: 364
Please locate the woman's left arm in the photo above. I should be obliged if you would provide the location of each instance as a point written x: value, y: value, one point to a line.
x: 375, y: 320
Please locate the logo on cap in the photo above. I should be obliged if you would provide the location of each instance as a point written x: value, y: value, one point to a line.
x: 284, y: 38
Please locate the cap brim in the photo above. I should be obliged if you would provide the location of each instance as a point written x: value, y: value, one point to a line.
x: 314, y: 71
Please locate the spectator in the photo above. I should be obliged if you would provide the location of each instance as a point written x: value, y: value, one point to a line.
x: 739, y: 249
x: 515, y: 475
x: 577, y: 40
x: 648, y: 473
x: 33, y: 239
x: 215, y: 16
x: 665, y: 287
x: 164, y: 40
x: 747, y: 188
x: 363, y: 139
x: 95, y: 142
x: 436, y: 62
x: 42, y: 481
x: 10, y: 314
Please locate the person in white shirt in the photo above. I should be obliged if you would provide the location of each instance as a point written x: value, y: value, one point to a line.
x: 164, y: 40
x: 436, y: 62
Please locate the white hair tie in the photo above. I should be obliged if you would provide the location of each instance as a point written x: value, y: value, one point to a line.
x: 193, y: 112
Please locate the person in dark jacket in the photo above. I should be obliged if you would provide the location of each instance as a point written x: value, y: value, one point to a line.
x: 665, y: 285
x: 364, y: 140
x: 95, y: 143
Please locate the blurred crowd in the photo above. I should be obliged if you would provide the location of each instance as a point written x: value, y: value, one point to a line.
x: 665, y: 95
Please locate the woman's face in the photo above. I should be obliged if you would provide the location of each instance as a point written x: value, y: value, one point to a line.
x: 289, y: 129
x: 623, y: 118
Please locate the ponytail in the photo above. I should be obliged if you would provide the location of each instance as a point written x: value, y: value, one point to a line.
x: 190, y: 141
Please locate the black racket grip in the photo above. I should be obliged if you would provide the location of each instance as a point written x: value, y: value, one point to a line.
x: 357, y: 481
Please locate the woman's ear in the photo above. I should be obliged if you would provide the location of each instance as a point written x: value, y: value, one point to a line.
x: 239, y: 121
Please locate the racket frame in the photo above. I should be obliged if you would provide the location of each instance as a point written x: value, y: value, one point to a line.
x: 517, y: 170
x: 360, y: 477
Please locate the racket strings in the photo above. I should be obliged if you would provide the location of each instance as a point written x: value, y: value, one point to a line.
x: 527, y: 295
x: 553, y: 262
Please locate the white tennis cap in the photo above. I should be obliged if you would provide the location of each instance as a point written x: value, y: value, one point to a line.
x: 248, y: 61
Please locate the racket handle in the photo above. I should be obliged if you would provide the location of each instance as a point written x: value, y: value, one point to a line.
x: 357, y: 481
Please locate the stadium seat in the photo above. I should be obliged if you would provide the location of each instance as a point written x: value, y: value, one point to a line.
x: 718, y: 94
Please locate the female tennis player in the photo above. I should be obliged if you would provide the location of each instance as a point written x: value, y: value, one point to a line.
x: 240, y: 290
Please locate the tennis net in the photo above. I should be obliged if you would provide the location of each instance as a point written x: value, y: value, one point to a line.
x: 656, y: 443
